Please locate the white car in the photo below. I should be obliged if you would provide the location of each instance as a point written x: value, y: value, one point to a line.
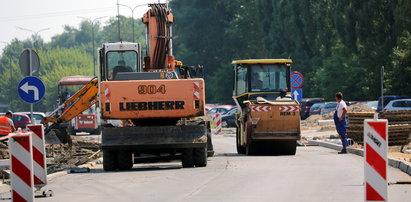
x: 400, y: 104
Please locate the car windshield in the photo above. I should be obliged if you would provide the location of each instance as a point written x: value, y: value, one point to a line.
x: 331, y: 105
x: 37, y: 116
x: 316, y: 106
x: 17, y: 118
x: 270, y: 78
x: 231, y: 112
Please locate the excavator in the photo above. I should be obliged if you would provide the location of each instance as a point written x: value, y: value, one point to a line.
x: 159, y: 101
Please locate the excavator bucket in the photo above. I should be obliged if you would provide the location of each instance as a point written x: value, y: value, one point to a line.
x: 57, y: 136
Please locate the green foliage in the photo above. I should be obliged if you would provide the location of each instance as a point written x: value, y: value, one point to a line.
x: 337, y: 45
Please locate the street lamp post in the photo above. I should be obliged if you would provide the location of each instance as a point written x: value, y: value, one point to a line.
x: 92, y: 39
x: 35, y: 33
x: 132, y: 15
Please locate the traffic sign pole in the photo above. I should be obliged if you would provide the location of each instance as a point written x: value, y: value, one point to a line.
x: 29, y: 64
x: 31, y: 74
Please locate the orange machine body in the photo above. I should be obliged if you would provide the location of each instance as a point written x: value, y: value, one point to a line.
x: 145, y: 99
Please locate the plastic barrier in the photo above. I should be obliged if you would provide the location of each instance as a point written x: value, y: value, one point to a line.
x: 375, y: 163
x: 21, y: 163
x: 39, y: 156
x: 217, y: 121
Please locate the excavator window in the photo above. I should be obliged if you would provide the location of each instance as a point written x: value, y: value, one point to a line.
x: 241, y: 80
x: 121, y: 61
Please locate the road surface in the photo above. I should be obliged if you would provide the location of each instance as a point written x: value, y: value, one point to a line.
x: 314, y: 174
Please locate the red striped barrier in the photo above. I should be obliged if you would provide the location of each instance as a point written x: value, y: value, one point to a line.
x: 39, y: 156
x: 218, y: 126
x: 375, y: 155
x: 21, y: 164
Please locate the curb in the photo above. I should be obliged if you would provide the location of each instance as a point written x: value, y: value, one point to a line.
x: 58, y: 174
x: 395, y: 163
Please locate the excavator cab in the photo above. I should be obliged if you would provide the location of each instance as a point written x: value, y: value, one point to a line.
x: 119, y: 59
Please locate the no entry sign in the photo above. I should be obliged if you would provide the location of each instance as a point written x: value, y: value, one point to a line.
x: 297, y: 80
x: 375, y: 164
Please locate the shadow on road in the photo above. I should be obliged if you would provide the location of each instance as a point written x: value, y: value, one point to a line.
x: 138, y: 167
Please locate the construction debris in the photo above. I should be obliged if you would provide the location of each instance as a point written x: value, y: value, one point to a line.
x: 69, y: 156
x: 66, y: 156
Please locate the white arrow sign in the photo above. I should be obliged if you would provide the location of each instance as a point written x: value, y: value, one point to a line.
x: 296, y: 94
x: 26, y: 89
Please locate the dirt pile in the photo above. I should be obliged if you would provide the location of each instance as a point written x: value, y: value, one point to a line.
x: 4, y: 151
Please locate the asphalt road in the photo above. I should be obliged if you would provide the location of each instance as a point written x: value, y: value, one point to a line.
x: 314, y: 174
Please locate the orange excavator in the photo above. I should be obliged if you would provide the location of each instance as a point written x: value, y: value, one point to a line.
x: 158, y: 100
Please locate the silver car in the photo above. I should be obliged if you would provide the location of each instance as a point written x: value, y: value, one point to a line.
x: 401, y: 104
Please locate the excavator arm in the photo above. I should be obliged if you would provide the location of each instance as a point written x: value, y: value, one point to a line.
x: 81, y: 100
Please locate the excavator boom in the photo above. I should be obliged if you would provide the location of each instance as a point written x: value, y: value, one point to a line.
x: 79, y: 102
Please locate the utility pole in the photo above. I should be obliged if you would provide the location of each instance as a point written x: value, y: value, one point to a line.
x: 132, y: 15
x: 92, y: 39
x: 118, y: 21
x: 382, y: 87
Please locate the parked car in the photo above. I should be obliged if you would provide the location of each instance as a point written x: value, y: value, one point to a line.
x: 372, y: 104
x: 329, y: 107
x: 306, y: 105
x: 37, y: 116
x: 316, y: 108
x: 228, y: 119
x: 222, y: 109
x: 19, y: 120
x: 400, y: 104
x: 387, y: 99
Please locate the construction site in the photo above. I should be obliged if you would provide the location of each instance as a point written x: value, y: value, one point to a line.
x: 208, y: 101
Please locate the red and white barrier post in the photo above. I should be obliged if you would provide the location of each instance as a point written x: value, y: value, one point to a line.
x: 21, y: 163
x: 39, y: 156
x: 375, y: 155
x: 217, y: 121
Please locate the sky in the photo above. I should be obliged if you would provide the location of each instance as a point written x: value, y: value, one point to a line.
x: 52, y: 15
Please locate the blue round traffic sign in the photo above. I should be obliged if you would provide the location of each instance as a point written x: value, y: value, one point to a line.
x: 31, y: 89
x: 297, y: 80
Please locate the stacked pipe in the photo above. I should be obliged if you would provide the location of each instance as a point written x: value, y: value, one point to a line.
x: 399, y: 128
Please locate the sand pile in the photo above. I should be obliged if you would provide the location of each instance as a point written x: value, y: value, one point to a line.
x: 360, y: 108
x: 312, y: 121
